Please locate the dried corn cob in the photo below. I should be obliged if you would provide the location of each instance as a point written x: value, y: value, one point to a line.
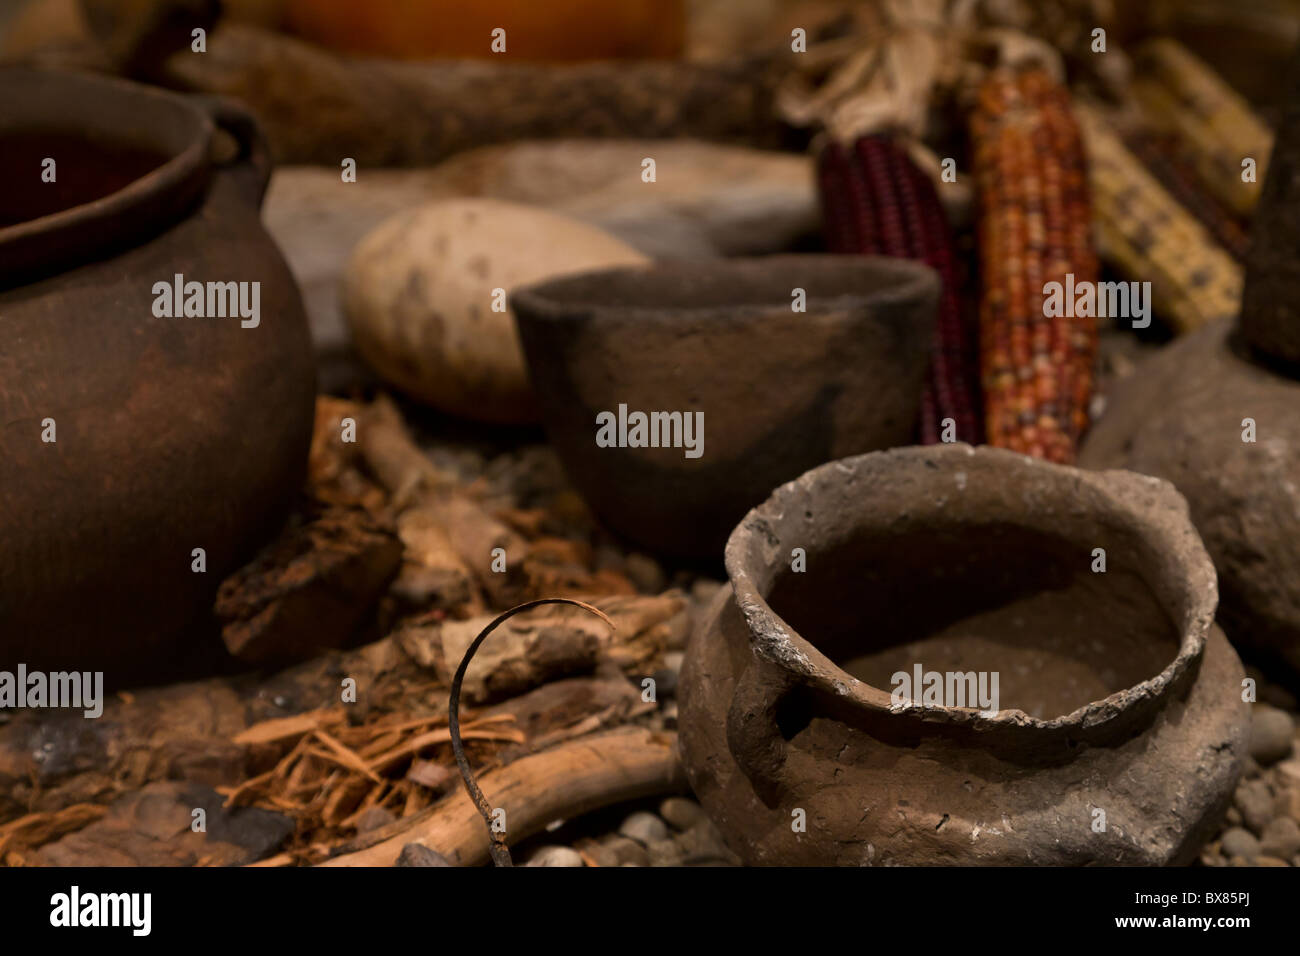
x: 1031, y: 180
x: 1148, y: 236
x: 1181, y: 94
x: 877, y: 202
x: 1166, y: 159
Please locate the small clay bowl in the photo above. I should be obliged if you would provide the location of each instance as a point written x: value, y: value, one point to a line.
x: 1120, y: 731
x: 780, y: 390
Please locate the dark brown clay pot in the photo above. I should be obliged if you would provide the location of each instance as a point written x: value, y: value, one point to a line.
x: 171, y: 434
x: 780, y: 390
x: 1117, y: 693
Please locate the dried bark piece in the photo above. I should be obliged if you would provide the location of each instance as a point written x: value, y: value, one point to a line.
x: 309, y: 590
x: 433, y: 575
x: 152, y: 827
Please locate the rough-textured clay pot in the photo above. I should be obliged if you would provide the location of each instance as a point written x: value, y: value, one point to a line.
x: 171, y: 434
x: 1121, y: 729
x: 780, y: 390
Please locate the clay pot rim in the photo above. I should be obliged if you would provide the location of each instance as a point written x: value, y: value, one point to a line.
x: 185, y: 170
x: 775, y: 641
x: 906, y: 282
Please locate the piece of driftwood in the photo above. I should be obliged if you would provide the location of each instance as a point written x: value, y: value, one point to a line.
x: 492, y: 551
x: 393, y: 456
x: 526, y: 651
x: 564, y: 782
x: 320, y: 107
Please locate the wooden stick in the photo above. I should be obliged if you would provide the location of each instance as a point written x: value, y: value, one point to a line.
x: 401, y: 114
x: 394, y: 457
x: 564, y: 782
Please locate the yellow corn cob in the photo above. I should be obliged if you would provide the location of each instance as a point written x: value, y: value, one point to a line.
x: 1182, y: 95
x: 1147, y: 236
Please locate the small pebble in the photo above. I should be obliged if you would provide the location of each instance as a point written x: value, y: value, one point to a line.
x: 417, y: 854
x: 673, y: 660
x: 618, y: 850
x: 664, y: 853
x: 556, y: 856
x: 1271, y: 731
x: 1281, y: 838
x: 677, y: 631
x: 1269, y: 693
x: 1277, y: 696
x: 1240, y: 842
x: 1288, y: 771
x: 646, y: 573
x: 1269, y: 861
x: 608, y: 558
x: 645, y: 828
x: 703, y: 590
x: 704, y: 844
x: 1255, y: 802
x: 1287, y: 801
x: 681, y: 813
x: 374, y: 818
x: 1233, y: 817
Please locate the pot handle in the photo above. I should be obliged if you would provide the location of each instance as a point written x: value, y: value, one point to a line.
x: 252, y: 168
x: 753, y: 734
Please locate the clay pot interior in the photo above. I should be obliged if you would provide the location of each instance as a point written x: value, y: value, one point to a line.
x: 88, y: 167
x: 962, y: 559
x: 129, y: 160
x: 1021, y: 602
x: 100, y: 143
x: 732, y: 292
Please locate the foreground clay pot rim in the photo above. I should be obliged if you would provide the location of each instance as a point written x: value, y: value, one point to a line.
x: 778, y: 643
x: 181, y: 176
x: 901, y: 281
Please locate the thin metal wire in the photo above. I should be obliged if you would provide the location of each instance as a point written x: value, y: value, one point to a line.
x: 497, y: 849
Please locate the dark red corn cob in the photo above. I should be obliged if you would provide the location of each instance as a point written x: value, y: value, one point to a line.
x: 875, y: 201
